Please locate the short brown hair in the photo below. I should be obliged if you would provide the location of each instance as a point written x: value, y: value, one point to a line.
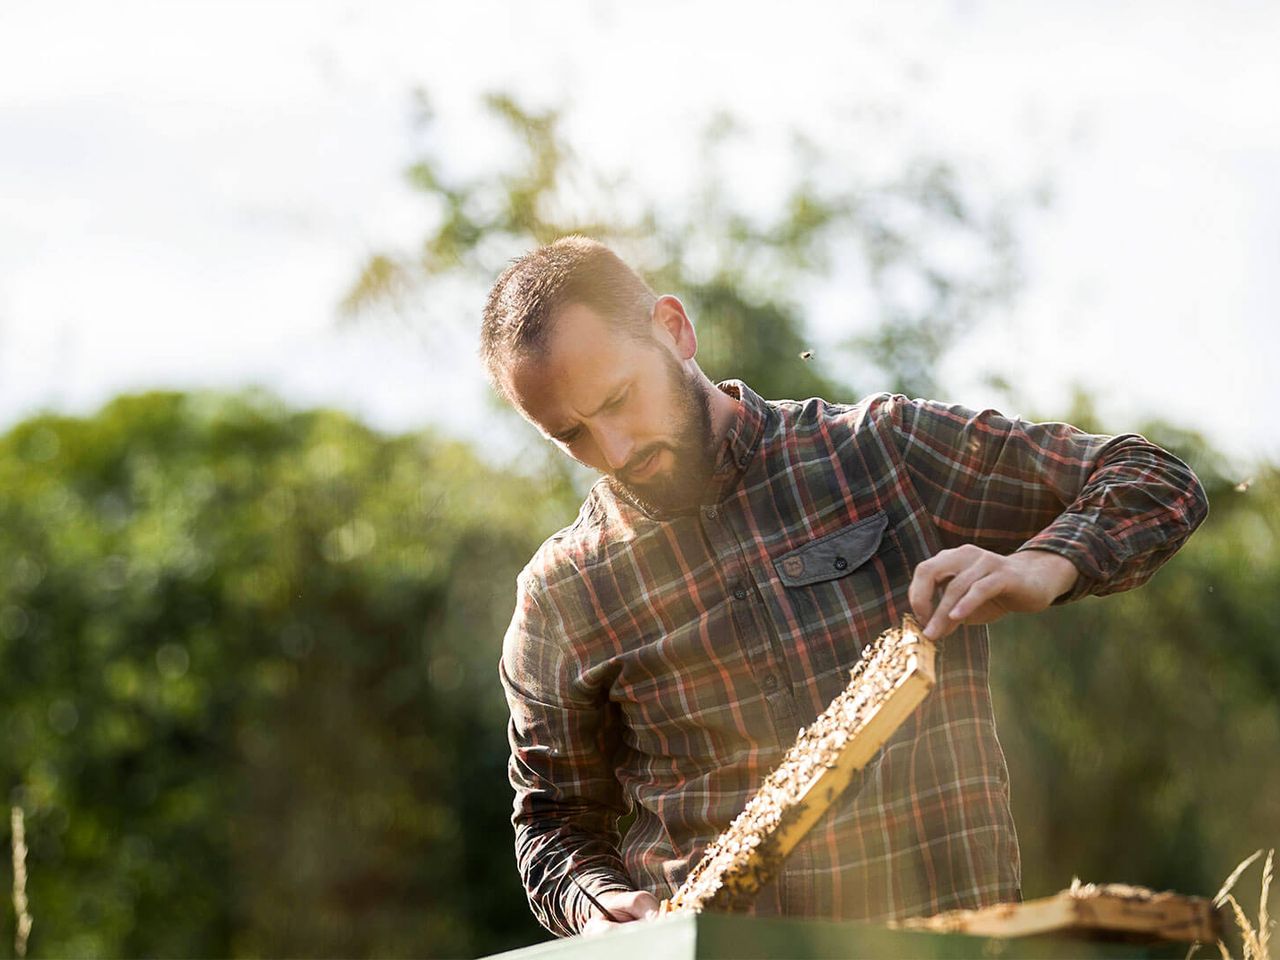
x: 573, y: 269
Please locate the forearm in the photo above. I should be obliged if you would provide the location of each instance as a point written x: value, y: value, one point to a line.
x: 1138, y: 507
x: 1116, y: 507
x: 567, y: 796
x: 554, y: 851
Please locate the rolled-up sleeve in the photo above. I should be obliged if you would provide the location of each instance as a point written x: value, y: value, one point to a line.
x: 1117, y: 507
x: 567, y: 798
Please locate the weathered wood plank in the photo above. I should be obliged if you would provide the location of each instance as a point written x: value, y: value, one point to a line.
x: 1088, y: 910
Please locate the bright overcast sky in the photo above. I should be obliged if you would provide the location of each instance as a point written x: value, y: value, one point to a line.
x: 187, y: 189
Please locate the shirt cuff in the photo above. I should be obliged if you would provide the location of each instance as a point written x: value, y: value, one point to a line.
x: 1081, y: 542
x: 598, y: 880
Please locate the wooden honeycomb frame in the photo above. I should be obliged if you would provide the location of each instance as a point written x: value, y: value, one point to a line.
x: 893, y: 676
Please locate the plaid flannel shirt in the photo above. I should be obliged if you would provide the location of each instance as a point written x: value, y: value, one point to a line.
x: 664, y: 664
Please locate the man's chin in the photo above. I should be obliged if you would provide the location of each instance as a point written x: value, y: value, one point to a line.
x: 661, y: 496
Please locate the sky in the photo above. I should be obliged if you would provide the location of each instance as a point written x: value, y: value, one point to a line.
x: 187, y: 190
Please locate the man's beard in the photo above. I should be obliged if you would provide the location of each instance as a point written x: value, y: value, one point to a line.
x: 693, y: 454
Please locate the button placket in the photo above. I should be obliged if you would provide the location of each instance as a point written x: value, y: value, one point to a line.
x: 725, y: 542
x: 718, y: 532
x: 754, y: 630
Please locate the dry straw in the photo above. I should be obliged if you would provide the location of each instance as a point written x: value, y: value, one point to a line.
x: 1255, y: 942
x: 22, y: 929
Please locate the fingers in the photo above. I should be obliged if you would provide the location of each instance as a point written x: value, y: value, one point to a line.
x: 979, y: 586
x: 932, y: 573
x: 598, y: 924
x: 944, y: 619
x: 643, y: 906
x: 980, y: 594
x: 924, y: 583
x: 966, y: 578
x: 625, y: 905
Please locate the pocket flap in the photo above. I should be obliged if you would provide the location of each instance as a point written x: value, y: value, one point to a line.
x: 836, y: 555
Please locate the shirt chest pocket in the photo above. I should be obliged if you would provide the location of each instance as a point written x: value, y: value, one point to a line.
x: 834, y: 556
x: 843, y: 589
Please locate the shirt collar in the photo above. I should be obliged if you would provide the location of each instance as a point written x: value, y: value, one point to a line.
x: 745, y: 433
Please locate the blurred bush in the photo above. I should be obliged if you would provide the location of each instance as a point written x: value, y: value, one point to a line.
x: 248, y: 661
x: 1142, y: 729
x: 247, y: 654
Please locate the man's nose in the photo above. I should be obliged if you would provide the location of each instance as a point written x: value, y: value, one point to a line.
x: 616, y: 447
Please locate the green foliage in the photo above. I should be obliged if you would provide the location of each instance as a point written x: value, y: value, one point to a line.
x: 248, y: 666
x: 247, y: 662
x: 247, y: 654
x: 915, y: 256
x: 1142, y: 729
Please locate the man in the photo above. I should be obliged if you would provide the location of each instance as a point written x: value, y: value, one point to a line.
x: 722, y: 577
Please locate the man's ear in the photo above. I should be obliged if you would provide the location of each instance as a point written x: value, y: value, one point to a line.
x: 674, y: 328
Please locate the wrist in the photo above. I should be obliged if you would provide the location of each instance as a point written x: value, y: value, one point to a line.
x: 1056, y: 572
x: 589, y: 887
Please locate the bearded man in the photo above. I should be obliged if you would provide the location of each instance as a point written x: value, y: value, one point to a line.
x: 722, y: 577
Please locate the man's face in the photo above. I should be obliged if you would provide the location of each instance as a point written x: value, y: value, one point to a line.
x: 628, y: 409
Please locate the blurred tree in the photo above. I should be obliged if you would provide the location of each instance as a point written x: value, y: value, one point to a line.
x: 247, y: 654
x: 246, y: 708
x: 916, y: 255
x: 1140, y: 729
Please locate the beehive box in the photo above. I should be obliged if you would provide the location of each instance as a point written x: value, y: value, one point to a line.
x: 718, y: 936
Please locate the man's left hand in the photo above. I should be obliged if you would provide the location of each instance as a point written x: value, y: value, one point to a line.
x: 979, y: 586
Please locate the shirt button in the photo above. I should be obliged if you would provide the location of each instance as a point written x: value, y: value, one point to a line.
x: 769, y: 682
x: 841, y: 563
x: 744, y: 460
x: 711, y: 513
x: 739, y: 593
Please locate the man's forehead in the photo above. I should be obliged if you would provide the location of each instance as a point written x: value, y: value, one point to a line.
x: 581, y: 361
x: 552, y: 401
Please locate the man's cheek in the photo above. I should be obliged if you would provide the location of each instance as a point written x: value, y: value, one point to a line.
x: 580, y: 458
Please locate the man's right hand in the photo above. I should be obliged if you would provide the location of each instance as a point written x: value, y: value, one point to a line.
x: 625, y: 905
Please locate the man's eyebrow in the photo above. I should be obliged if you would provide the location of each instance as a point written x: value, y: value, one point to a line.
x: 610, y: 397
